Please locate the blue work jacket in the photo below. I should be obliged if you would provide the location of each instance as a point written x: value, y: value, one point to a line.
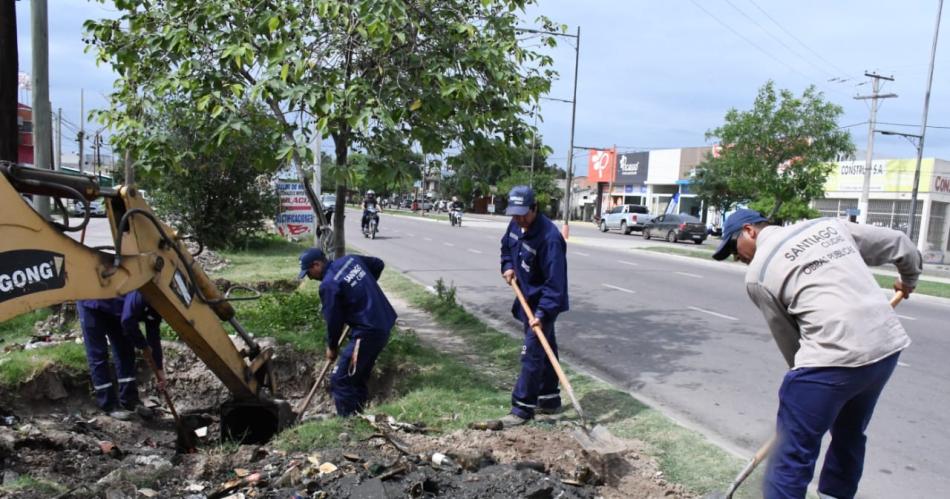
x: 350, y: 295
x: 539, y: 260
x: 135, y: 310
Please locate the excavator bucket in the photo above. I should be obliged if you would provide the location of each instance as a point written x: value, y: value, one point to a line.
x: 254, y: 421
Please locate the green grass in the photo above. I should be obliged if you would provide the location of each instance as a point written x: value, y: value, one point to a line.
x: 685, y: 456
x: 20, y: 366
x: 27, y: 483
x: 924, y: 287
x: 290, y: 318
x: 20, y: 327
x: 265, y: 259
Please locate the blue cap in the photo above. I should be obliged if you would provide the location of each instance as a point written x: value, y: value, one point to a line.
x: 520, y: 200
x: 307, y: 258
x: 731, y: 229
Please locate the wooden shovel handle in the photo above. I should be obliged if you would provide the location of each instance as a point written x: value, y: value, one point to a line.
x: 323, y: 372
x: 898, y: 297
x: 547, y: 350
x: 150, y: 360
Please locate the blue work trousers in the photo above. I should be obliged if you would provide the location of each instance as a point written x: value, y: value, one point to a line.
x: 537, y: 385
x: 352, y: 371
x: 813, y: 401
x: 100, y: 330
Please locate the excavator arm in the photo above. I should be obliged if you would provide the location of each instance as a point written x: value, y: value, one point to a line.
x: 41, y: 266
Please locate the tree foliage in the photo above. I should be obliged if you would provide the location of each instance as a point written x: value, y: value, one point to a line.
x: 486, y: 163
x: 543, y: 182
x: 368, y: 73
x: 220, y: 193
x: 776, y: 156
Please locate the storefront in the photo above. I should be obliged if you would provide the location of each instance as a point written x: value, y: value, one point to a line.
x: 889, y: 199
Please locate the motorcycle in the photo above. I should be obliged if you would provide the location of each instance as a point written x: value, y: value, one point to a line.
x: 455, y: 217
x: 371, y: 224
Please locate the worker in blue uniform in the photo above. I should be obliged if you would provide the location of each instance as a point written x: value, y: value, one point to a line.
x: 350, y: 296
x: 110, y: 323
x: 533, y: 253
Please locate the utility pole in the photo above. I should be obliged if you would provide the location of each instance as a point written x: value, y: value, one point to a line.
x: 82, y: 129
x: 570, y: 150
x: 96, y: 141
x: 42, y: 114
x: 9, y: 84
x: 59, y: 139
x: 874, y: 97
x: 921, y: 239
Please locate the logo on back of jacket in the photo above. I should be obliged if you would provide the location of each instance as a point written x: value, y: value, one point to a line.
x: 24, y: 272
x: 827, y: 240
x: 352, y: 276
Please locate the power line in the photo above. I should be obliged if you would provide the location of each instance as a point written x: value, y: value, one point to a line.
x: 787, y: 32
x: 750, y: 42
x: 777, y: 39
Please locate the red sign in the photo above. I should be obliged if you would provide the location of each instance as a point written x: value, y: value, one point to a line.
x: 602, y: 165
x: 941, y: 184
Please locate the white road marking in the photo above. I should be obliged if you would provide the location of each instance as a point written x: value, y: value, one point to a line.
x: 474, y: 251
x: 687, y: 274
x: 716, y: 314
x: 627, y: 263
x: 903, y: 364
x: 618, y: 288
x: 427, y: 238
x: 410, y: 234
x: 581, y: 253
x: 448, y: 244
x: 907, y: 317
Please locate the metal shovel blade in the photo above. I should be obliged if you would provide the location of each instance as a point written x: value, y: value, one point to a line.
x: 598, y: 439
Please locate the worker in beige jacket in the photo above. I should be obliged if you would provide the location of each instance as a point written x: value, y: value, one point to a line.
x: 835, y: 329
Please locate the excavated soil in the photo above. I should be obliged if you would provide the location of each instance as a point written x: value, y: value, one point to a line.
x: 50, y: 430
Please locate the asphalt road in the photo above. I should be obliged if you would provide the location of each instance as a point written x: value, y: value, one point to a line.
x: 681, y: 334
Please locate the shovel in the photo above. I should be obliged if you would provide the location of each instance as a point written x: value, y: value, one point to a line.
x: 187, y: 441
x: 323, y: 372
x: 597, y: 438
x: 766, y: 447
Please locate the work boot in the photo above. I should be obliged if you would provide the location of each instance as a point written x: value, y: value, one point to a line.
x: 144, y: 412
x: 120, y: 414
x: 512, y: 420
x: 550, y: 411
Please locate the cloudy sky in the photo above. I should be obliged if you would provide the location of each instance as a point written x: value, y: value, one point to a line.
x: 659, y: 74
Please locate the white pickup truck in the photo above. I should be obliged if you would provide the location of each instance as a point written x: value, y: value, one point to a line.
x: 625, y: 218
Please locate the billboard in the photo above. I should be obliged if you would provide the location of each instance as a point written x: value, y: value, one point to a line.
x: 295, y: 219
x: 632, y: 168
x: 887, y: 175
x: 601, y: 165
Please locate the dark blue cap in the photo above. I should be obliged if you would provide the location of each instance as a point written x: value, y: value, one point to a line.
x: 307, y: 258
x: 520, y: 200
x: 731, y: 229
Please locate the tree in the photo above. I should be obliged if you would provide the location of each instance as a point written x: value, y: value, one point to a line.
x: 220, y: 193
x: 543, y: 182
x: 485, y: 163
x: 775, y: 156
x: 365, y: 72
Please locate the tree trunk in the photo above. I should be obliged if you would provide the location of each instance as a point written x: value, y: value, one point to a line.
x: 341, y: 147
x: 9, y: 82
x: 778, y: 205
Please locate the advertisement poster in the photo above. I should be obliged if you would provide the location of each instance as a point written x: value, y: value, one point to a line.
x: 601, y: 165
x: 295, y: 218
x: 890, y: 175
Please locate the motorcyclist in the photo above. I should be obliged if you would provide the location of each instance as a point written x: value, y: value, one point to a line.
x: 369, y: 204
x: 455, y: 210
x: 456, y: 204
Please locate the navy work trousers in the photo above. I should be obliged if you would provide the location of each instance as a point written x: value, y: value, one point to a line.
x: 537, y: 385
x: 353, y: 369
x: 813, y: 401
x: 99, y: 331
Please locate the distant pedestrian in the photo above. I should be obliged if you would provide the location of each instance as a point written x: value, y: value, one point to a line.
x: 114, y: 323
x: 836, y: 330
x: 533, y: 253
x: 350, y: 296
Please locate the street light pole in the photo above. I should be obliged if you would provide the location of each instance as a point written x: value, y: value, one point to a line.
x: 923, y: 131
x: 566, y: 231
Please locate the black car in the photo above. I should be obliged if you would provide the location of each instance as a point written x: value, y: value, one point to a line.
x: 676, y: 227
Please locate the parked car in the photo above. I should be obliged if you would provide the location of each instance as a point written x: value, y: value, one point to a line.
x: 97, y: 208
x: 676, y: 227
x: 626, y: 218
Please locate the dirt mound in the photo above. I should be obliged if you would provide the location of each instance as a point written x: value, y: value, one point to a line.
x: 208, y: 259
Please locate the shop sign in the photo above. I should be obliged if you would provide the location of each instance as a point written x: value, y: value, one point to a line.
x: 893, y: 175
x: 296, y: 219
x: 601, y: 165
x: 632, y: 168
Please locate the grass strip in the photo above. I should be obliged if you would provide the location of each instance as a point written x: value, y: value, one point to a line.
x: 924, y: 287
x: 20, y: 366
x: 20, y: 328
x: 264, y: 259
x: 685, y: 456
x: 27, y: 483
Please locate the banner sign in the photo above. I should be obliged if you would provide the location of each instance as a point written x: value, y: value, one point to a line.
x: 887, y: 175
x: 632, y: 168
x: 601, y: 165
x: 295, y: 219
